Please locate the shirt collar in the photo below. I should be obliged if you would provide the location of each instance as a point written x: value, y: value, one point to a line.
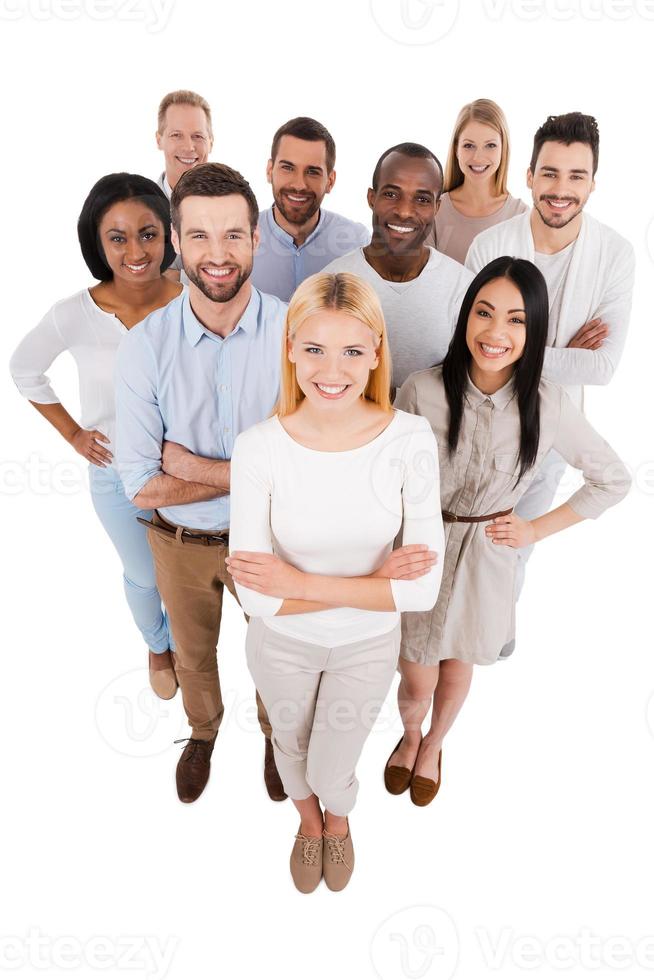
x: 287, y: 239
x: 500, y: 398
x: 194, y: 330
x: 165, y: 186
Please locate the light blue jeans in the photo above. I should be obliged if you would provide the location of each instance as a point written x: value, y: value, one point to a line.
x: 118, y: 517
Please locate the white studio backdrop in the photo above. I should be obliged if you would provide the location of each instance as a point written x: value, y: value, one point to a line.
x: 536, y: 857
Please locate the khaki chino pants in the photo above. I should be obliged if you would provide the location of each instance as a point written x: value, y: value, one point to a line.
x: 322, y: 703
x: 191, y: 578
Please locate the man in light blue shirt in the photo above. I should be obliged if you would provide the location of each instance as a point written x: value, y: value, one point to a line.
x: 189, y: 378
x: 298, y: 238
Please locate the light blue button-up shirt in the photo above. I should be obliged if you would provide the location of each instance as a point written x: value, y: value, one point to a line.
x: 176, y: 380
x: 280, y: 265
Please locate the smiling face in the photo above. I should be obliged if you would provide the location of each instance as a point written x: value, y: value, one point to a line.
x: 132, y: 238
x: 186, y: 141
x: 479, y: 151
x: 496, y: 331
x: 562, y: 182
x: 216, y: 243
x: 299, y: 178
x: 333, y: 353
x: 405, y: 203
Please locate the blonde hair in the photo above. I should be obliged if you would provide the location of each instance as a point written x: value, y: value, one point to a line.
x: 483, y: 111
x: 182, y: 97
x: 349, y: 294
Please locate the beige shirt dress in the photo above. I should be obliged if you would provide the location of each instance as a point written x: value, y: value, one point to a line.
x: 474, y: 615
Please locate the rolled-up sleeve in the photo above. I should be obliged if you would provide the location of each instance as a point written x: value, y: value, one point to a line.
x: 422, y: 522
x: 139, y: 423
x: 251, y: 489
x: 33, y: 357
x: 606, y: 478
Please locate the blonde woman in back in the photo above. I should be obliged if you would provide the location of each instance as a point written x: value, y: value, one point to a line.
x: 319, y: 492
x: 475, y: 195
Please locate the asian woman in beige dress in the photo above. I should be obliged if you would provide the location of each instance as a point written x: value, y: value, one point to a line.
x: 494, y: 419
x: 475, y: 195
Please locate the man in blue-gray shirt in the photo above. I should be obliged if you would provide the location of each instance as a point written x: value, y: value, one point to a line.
x: 298, y: 238
x: 189, y: 378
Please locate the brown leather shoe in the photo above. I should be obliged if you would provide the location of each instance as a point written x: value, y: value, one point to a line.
x: 397, y: 779
x: 163, y: 679
x: 271, y: 777
x: 193, y: 768
x: 424, y: 790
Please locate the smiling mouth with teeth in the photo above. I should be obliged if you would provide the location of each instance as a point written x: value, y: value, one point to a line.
x: 479, y: 169
x: 400, y: 229
x: 218, y: 273
x: 558, y: 203
x: 495, y: 351
x: 136, y: 268
x: 331, y: 389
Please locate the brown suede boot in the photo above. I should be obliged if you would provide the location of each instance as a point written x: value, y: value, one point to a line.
x: 271, y: 777
x: 193, y: 768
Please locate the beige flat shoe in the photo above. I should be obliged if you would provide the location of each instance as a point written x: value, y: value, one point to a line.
x: 163, y: 679
x: 306, y: 862
x: 337, y: 860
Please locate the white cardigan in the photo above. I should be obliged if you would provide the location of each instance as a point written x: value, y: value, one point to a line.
x: 599, y: 283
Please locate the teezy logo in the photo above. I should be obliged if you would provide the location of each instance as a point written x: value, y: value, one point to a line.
x: 414, y: 21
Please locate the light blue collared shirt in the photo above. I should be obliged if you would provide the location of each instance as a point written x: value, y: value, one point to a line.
x: 176, y: 380
x: 280, y: 265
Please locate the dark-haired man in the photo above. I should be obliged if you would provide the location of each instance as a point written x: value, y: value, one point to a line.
x: 588, y: 268
x: 420, y: 289
x: 298, y: 237
x: 189, y: 378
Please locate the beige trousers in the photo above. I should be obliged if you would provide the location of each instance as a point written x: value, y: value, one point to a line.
x: 322, y: 703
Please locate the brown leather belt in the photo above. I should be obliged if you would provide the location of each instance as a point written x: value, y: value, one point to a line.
x: 182, y: 534
x: 450, y: 518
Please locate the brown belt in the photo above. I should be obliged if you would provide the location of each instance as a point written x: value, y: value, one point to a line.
x: 182, y: 534
x: 453, y: 518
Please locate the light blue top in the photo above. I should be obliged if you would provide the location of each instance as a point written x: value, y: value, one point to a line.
x: 280, y: 265
x: 176, y: 380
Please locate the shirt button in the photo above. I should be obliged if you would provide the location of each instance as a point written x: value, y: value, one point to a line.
x: 226, y: 429
x: 223, y: 387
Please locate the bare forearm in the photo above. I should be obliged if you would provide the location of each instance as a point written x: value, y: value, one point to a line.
x: 210, y: 472
x: 555, y: 520
x: 292, y: 607
x: 165, y: 491
x: 362, y: 592
x: 59, y: 418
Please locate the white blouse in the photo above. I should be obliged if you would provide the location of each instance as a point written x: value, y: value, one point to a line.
x: 92, y: 336
x: 337, y: 514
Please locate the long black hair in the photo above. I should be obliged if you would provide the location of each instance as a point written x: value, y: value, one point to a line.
x: 106, y: 192
x: 527, y: 370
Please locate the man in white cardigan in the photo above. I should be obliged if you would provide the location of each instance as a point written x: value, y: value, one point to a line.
x: 589, y: 271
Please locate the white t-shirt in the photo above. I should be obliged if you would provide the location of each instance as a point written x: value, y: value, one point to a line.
x: 420, y: 314
x: 337, y: 514
x: 555, y: 269
x: 78, y: 325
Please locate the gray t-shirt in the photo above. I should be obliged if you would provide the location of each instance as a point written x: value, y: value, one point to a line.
x: 420, y: 314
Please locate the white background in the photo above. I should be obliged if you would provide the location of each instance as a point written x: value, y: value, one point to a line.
x: 541, y: 833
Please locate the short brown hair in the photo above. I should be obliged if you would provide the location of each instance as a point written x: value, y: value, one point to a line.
x: 183, y: 96
x: 212, y: 180
x: 572, y: 127
x: 305, y: 128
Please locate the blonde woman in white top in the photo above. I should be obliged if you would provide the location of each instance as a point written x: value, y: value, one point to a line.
x: 124, y: 234
x: 319, y: 492
x: 475, y: 195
